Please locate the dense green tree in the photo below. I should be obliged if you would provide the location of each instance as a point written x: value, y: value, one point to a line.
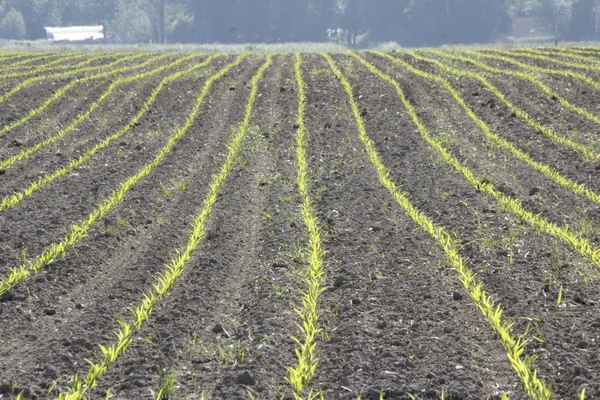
x: 408, y: 22
x: 12, y: 25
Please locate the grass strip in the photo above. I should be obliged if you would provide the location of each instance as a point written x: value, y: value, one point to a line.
x: 545, y: 88
x: 175, y: 267
x: 300, y: 375
x: 562, y: 140
x: 61, y: 92
x: 16, y: 198
x: 515, y: 347
x: 77, y: 232
x: 578, y: 188
x: 5, y: 164
x: 34, y: 79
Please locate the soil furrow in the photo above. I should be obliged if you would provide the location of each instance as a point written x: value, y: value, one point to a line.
x: 539, y: 193
x: 33, y: 98
x: 520, y: 271
x: 54, y: 207
x: 393, y: 275
x: 224, y: 284
x: 89, y: 288
x: 114, y: 110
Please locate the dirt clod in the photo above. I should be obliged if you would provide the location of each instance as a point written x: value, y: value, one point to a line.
x: 535, y: 191
x: 245, y: 379
x: 218, y: 328
x: 340, y: 281
x: 457, y: 296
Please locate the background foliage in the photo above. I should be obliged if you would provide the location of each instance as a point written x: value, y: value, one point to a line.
x: 407, y: 22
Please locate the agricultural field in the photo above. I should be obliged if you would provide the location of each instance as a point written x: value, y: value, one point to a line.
x: 363, y: 225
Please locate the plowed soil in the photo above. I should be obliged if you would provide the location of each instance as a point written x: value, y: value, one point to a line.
x: 394, y: 319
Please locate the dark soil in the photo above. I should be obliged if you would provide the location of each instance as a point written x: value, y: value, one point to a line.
x: 520, y: 270
x: 395, y: 318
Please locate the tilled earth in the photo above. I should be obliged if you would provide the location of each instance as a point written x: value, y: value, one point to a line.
x: 395, y: 320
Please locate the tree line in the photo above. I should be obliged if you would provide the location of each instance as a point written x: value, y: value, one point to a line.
x: 407, y: 22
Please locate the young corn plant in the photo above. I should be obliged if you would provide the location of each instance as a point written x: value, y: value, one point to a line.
x: 562, y: 140
x: 522, y: 75
x: 78, y: 231
x: 166, y: 384
x: 491, y: 311
x: 7, y: 163
x: 166, y: 280
x: 530, y: 55
x: 548, y: 171
x: 16, y: 198
x: 579, y: 244
x: 61, y: 92
x: 300, y: 375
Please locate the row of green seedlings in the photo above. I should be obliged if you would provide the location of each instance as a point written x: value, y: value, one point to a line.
x: 533, y: 55
x: 522, y: 75
x: 580, y: 58
x: 492, y: 312
x: 63, y: 90
x: 557, y: 138
x: 572, y: 238
x: 59, y: 59
x: 589, y: 53
x: 13, y: 58
x: 58, y: 64
x: 66, y: 74
x: 51, y: 67
x: 175, y: 267
x: 300, y: 375
x: 78, y: 231
x: 506, y: 57
x: 548, y: 171
x: 583, y: 56
x: 515, y: 347
x: 17, y: 197
x: 24, y: 61
x: 121, y: 80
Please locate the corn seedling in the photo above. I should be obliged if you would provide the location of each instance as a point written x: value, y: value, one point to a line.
x: 16, y: 198
x: 175, y: 267
x: 491, y: 311
x: 61, y: 92
x: 5, y: 164
x: 522, y: 75
x: 78, y: 231
x: 299, y: 376
x: 584, y: 150
x: 166, y: 384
